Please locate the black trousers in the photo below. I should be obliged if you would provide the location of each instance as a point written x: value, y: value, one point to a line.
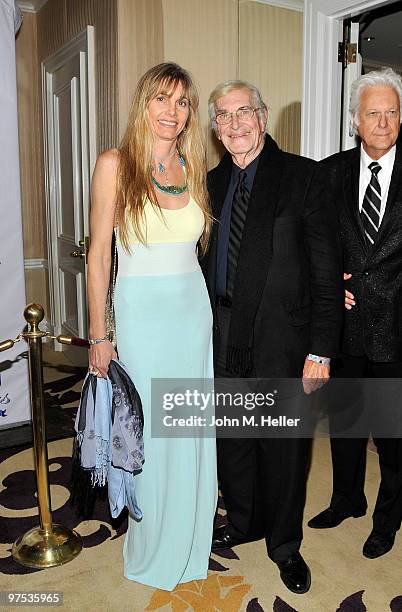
x: 263, y: 481
x: 349, y: 456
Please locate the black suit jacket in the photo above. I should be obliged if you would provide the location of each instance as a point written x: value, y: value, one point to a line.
x: 373, y: 327
x: 300, y: 305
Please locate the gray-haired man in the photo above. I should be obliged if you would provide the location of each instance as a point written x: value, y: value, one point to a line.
x: 367, y: 187
x: 275, y: 280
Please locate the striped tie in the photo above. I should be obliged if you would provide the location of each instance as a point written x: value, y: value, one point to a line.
x: 237, y: 219
x: 371, y: 206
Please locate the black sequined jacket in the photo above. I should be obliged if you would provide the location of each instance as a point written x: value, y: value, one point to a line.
x: 373, y: 327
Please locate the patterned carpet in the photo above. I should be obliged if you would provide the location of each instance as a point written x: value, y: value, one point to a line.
x: 62, y: 384
x: 240, y: 579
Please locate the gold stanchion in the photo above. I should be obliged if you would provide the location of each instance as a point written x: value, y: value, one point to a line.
x: 49, y: 544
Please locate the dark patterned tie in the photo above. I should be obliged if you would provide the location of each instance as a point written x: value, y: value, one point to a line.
x: 371, y: 206
x: 239, y: 210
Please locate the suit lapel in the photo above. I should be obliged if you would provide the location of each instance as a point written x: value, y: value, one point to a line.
x: 351, y: 194
x: 218, y: 184
x: 256, y: 246
x: 391, y: 209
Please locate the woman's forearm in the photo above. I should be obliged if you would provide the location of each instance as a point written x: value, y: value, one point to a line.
x: 98, y: 283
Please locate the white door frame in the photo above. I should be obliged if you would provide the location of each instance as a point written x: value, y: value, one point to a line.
x: 85, y: 41
x: 322, y: 74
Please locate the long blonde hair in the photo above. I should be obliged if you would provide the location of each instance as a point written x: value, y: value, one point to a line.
x: 134, y: 182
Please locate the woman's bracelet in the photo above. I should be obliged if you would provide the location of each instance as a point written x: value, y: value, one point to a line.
x: 97, y: 340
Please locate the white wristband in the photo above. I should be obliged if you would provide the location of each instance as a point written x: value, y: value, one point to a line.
x: 317, y: 359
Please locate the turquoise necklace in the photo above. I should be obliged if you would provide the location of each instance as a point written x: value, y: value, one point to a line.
x: 170, y: 189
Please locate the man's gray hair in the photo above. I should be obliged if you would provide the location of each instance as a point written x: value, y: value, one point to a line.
x: 383, y: 78
x: 224, y: 88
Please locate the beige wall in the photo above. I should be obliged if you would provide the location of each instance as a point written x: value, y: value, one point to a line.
x: 140, y: 46
x: 216, y: 41
x: 270, y: 55
x: 30, y: 134
x: 31, y: 156
x: 41, y: 35
x: 203, y: 37
x: 58, y: 22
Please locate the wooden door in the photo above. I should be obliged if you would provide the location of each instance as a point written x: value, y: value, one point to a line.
x: 69, y: 127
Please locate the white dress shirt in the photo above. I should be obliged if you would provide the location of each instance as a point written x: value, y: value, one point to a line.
x: 384, y: 176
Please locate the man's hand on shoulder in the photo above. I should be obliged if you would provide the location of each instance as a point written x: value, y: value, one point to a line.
x: 349, y: 297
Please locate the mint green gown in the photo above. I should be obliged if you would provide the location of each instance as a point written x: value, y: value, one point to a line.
x: 164, y: 330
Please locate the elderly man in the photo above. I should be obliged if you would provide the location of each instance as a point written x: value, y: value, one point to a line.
x: 367, y: 183
x: 275, y: 281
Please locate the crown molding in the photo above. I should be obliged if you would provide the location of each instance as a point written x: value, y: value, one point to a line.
x: 31, y: 6
x: 294, y: 5
x: 30, y: 264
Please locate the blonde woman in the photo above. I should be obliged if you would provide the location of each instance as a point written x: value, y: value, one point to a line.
x: 153, y: 189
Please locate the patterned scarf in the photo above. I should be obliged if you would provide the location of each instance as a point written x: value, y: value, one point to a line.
x: 108, y: 447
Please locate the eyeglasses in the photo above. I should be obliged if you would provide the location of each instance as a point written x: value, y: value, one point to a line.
x: 243, y: 113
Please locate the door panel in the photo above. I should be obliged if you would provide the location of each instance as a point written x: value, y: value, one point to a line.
x: 70, y: 158
x: 62, y: 120
x: 67, y: 123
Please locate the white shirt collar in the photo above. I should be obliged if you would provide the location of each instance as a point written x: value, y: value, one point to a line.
x: 386, y: 161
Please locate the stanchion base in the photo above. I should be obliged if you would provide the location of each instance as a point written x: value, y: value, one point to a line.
x: 40, y: 549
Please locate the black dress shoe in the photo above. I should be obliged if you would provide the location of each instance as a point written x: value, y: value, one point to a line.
x: 222, y: 539
x: 377, y: 544
x: 330, y: 518
x: 295, y: 573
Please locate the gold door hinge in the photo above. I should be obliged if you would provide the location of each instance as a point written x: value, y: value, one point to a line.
x: 347, y: 53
